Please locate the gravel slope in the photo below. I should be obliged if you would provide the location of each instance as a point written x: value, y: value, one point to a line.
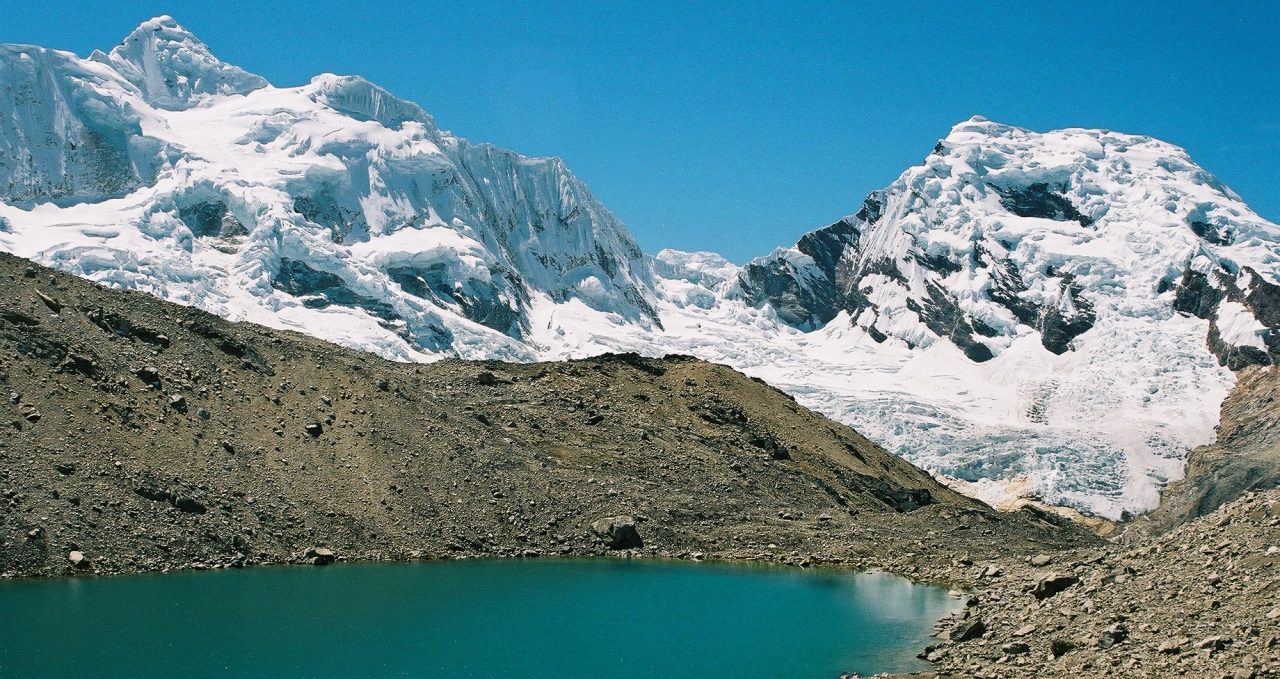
x: 145, y: 435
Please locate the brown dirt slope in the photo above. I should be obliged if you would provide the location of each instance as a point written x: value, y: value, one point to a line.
x: 147, y: 435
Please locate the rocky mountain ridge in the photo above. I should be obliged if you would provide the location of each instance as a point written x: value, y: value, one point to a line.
x: 141, y: 435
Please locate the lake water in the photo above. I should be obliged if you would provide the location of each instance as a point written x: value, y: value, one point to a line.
x: 528, y: 618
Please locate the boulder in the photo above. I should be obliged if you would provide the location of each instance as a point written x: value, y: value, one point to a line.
x: 78, y: 559
x: 153, y: 493
x: 1113, y: 634
x: 188, y: 504
x: 618, y: 532
x: 1060, y: 647
x: 1041, y: 560
x: 314, y: 429
x: 967, y: 629
x: 1214, y: 643
x: 54, y: 305
x: 149, y: 375
x: 320, y: 556
x: 1052, y: 584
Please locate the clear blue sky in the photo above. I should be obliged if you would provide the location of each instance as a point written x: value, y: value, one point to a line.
x: 737, y: 128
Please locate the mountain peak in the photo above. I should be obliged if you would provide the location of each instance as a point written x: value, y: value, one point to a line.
x: 173, y: 68
x: 981, y: 125
x: 160, y: 21
x: 363, y: 100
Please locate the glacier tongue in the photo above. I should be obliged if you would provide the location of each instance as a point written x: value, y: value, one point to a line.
x: 1050, y: 313
x: 1101, y: 428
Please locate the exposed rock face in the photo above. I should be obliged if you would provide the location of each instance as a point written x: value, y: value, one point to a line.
x: 319, y: 289
x: 1245, y: 457
x: 802, y: 285
x: 1038, y: 200
x: 1243, y: 310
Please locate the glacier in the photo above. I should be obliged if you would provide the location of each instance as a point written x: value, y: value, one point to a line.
x: 1054, y: 315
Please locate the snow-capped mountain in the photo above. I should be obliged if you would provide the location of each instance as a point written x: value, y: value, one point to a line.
x: 1003, y: 232
x: 1096, y: 283
x: 1051, y: 314
x: 333, y: 207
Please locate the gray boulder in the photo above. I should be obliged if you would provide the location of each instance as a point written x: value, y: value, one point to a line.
x: 1112, y: 635
x: 967, y: 629
x: 1052, y: 584
x: 320, y: 556
x: 618, y: 532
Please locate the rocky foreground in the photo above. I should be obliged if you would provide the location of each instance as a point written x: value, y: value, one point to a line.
x: 1200, y: 601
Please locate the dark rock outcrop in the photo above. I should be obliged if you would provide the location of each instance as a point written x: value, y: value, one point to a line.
x: 1040, y: 201
x: 320, y: 289
x: 1202, y: 295
x: 618, y: 532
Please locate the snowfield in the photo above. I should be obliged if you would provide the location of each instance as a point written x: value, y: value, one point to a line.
x: 1045, y: 314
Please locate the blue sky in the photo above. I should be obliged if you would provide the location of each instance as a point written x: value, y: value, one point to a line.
x: 736, y: 128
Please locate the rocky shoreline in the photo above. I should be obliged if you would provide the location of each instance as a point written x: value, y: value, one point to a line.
x: 1202, y: 600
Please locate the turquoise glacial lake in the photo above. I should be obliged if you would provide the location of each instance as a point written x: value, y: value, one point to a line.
x: 527, y: 618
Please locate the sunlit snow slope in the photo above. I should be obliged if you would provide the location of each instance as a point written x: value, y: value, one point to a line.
x: 332, y: 208
x: 1052, y: 312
